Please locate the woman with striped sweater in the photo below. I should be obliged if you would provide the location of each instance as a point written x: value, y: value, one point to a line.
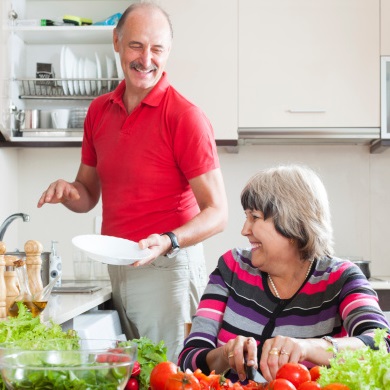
x: 286, y: 298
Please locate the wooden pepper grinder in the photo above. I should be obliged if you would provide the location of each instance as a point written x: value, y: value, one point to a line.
x: 33, y: 251
x: 3, y: 291
x: 11, y: 280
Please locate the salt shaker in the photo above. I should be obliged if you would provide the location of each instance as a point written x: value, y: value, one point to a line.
x: 33, y: 251
x: 3, y: 292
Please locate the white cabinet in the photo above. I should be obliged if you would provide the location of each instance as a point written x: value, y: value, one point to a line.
x: 203, y: 61
x: 309, y: 64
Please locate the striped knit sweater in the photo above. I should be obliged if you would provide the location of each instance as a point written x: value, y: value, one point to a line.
x: 336, y: 299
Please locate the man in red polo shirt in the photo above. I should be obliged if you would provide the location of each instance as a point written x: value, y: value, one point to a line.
x: 151, y: 154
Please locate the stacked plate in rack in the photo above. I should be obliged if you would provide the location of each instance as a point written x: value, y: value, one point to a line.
x: 86, y: 76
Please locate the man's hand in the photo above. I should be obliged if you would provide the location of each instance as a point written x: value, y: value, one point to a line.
x: 158, y: 245
x: 59, y: 192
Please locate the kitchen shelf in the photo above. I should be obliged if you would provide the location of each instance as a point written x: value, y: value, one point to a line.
x: 64, y: 34
x: 53, y: 88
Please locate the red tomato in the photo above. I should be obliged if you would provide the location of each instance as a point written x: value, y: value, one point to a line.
x: 136, y: 369
x: 132, y: 384
x: 281, y: 384
x: 296, y: 373
x: 160, y: 374
x: 310, y: 385
x: 315, y: 373
x: 335, y: 386
x: 182, y: 381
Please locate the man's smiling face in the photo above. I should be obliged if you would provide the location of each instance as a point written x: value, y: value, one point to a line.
x: 144, y: 44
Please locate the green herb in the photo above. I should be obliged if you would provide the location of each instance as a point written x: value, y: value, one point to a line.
x: 149, y: 355
x: 360, y: 369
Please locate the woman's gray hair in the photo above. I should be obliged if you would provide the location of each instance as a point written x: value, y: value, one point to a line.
x: 141, y: 4
x: 296, y: 199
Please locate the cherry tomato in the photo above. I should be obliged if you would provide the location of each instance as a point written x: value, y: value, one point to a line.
x: 132, y: 384
x: 296, y: 373
x: 310, y: 385
x: 182, y: 381
x: 335, y: 386
x: 315, y: 373
x: 281, y: 384
x: 136, y: 369
x: 160, y: 374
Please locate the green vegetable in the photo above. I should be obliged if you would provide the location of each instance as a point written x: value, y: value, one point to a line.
x: 361, y: 369
x: 149, y: 355
x: 27, y: 332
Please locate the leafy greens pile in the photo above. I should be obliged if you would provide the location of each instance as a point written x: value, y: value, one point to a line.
x: 149, y: 355
x: 360, y: 369
x: 28, y: 332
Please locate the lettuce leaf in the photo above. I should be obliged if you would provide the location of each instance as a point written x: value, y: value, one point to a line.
x: 149, y: 355
x: 360, y: 369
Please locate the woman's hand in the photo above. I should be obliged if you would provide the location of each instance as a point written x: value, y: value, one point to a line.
x: 281, y: 350
x: 239, y: 351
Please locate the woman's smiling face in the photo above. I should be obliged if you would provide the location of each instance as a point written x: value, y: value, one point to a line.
x: 268, y: 245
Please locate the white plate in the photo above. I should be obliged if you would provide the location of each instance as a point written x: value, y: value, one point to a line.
x: 70, y: 60
x: 81, y: 75
x: 62, y: 70
x: 110, y: 250
x: 76, y: 83
x: 111, y: 71
x: 90, y: 72
x: 99, y: 72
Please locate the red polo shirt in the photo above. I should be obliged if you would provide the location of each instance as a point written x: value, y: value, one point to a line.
x: 145, y: 159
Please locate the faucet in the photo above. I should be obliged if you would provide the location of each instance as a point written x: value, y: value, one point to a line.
x: 8, y: 221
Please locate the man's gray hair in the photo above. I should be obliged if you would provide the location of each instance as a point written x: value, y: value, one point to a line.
x: 137, y: 5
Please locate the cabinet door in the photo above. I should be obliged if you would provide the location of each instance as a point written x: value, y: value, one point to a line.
x: 203, y: 61
x: 385, y: 27
x: 306, y: 63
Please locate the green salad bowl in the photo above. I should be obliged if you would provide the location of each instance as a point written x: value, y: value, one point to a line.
x: 67, y: 369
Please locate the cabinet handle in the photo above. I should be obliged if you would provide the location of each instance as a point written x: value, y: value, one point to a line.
x: 313, y: 111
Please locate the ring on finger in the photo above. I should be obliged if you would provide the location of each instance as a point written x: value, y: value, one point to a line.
x: 231, y: 354
x: 284, y: 352
x: 274, y: 351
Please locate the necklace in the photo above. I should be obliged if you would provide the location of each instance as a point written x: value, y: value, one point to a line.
x: 273, y: 284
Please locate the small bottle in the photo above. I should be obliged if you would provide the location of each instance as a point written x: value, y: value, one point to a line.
x: 3, y: 291
x: 25, y: 296
x: 11, y: 281
x: 55, y: 264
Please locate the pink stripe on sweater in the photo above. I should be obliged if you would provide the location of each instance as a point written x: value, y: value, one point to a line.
x: 233, y: 265
x: 212, y: 315
x: 213, y: 303
x: 355, y: 301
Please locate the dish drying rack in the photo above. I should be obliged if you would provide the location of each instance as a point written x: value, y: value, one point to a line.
x: 31, y: 88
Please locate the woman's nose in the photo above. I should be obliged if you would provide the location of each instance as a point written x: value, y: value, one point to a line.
x: 245, y: 229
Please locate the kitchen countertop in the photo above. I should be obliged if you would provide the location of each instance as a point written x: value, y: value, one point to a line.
x: 380, y: 282
x: 63, y: 307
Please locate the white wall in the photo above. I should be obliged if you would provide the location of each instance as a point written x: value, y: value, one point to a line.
x: 358, y: 183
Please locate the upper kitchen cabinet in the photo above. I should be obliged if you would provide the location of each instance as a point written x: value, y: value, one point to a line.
x: 203, y: 61
x: 385, y: 27
x: 309, y: 64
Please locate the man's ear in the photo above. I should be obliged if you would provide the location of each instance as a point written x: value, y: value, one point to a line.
x: 115, y: 39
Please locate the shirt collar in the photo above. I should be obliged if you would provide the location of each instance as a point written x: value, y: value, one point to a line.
x: 153, y: 98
